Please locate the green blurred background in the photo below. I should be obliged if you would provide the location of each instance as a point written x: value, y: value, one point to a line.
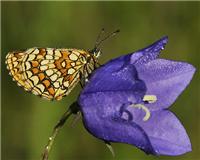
x: 27, y: 120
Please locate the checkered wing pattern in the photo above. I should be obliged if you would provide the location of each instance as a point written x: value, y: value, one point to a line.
x: 49, y: 73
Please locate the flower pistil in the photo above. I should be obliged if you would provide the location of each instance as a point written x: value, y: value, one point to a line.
x: 149, y: 99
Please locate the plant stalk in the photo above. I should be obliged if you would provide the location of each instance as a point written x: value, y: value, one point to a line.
x: 73, y: 109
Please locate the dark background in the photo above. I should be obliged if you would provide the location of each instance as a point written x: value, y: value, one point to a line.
x: 27, y: 120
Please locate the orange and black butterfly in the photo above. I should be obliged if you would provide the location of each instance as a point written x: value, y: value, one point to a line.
x: 52, y: 73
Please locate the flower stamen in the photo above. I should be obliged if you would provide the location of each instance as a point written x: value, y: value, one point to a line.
x: 144, y: 108
x: 150, y: 98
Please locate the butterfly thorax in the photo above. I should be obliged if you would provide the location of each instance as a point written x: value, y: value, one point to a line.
x: 50, y: 73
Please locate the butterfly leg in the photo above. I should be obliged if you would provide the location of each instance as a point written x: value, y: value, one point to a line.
x: 81, y: 80
x: 81, y: 84
x: 76, y: 119
x: 99, y: 65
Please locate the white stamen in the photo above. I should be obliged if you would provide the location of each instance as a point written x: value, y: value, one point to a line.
x: 144, y: 108
x: 150, y: 98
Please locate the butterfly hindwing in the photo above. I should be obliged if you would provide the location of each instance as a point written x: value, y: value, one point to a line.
x: 47, y: 72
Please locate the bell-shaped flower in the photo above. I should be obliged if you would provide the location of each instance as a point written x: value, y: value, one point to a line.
x: 127, y: 99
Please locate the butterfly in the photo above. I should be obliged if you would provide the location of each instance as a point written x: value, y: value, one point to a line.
x: 52, y: 73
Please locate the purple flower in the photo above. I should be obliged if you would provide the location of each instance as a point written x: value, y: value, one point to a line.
x: 126, y: 101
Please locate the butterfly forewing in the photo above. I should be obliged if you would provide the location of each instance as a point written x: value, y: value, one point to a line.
x: 49, y: 73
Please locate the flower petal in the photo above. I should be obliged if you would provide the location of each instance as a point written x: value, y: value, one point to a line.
x: 115, y: 76
x: 166, y: 133
x: 101, y: 117
x: 120, y: 74
x: 166, y: 79
x: 144, y: 55
x: 105, y: 117
x: 149, y: 53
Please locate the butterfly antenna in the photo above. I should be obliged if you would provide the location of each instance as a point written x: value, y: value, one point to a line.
x: 99, y: 36
x: 107, y: 37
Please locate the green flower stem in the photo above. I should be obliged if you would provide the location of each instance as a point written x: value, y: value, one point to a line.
x: 73, y: 109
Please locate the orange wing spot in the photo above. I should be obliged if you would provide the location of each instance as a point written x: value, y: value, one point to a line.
x: 41, y: 76
x: 18, y: 55
x: 42, y: 51
x: 51, y: 91
x: 65, y: 54
x: 46, y: 83
x: 71, y: 78
x: 35, y: 70
x: 59, y: 98
x: 58, y: 63
x: 34, y: 63
x: 63, y: 70
x: 68, y: 64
